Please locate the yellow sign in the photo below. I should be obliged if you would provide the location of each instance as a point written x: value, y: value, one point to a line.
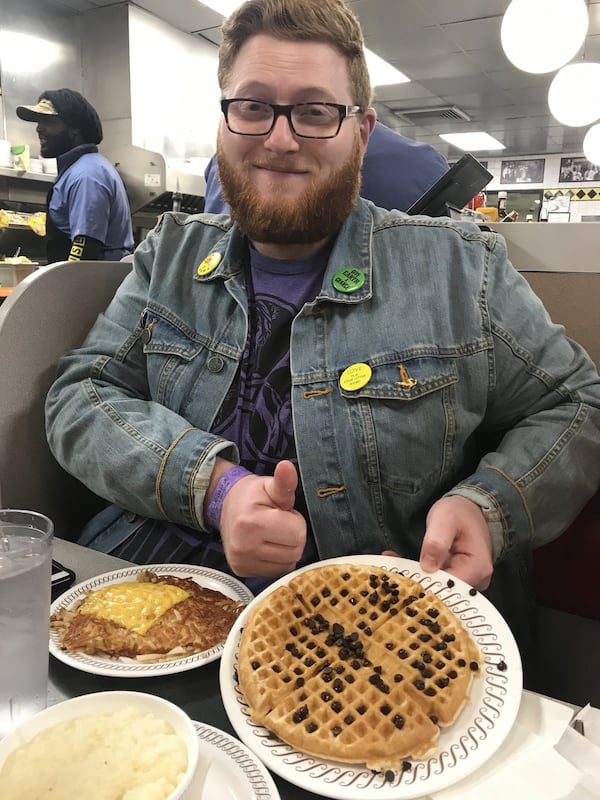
x: 355, y: 377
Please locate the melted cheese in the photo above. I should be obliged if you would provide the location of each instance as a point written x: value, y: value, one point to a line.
x: 134, y: 605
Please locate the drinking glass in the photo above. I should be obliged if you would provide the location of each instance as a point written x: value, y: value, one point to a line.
x: 25, y: 587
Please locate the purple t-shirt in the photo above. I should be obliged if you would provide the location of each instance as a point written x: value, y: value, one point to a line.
x: 257, y: 412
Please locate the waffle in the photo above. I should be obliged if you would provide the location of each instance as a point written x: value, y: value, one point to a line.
x: 200, y: 621
x: 356, y: 664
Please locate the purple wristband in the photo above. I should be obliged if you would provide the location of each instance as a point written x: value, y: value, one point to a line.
x: 224, y: 484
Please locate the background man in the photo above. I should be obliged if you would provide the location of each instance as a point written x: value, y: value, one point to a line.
x: 88, y: 214
x: 317, y: 376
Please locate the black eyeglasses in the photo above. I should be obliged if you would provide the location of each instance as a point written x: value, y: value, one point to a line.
x: 308, y: 120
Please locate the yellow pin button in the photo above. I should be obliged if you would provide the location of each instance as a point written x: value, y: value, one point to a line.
x: 210, y: 263
x: 355, y: 377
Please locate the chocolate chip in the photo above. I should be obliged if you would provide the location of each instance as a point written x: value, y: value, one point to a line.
x: 255, y: 665
x: 309, y: 661
x: 414, y: 646
x: 389, y: 775
x: 326, y: 697
x: 450, y: 583
x: 311, y: 727
x: 276, y: 668
x: 336, y: 706
x: 385, y: 709
x: 419, y: 684
x: 472, y: 592
x: 373, y: 615
x: 344, y: 592
x: 442, y: 682
x: 361, y: 709
x: 299, y: 682
x: 402, y: 653
x: 338, y: 685
x: 336, y: 730
x: 294, y: 630
x: 433, y: 613
x: 326, y: 592
x: 433, y: 718
x: 298, y: 613
x: 406, y: 766
x: 474, y: 666
x: 439, y: 665
x: 287, y: 679
x: 301, y: 714
x: 501, y: 666
x: 412, y: 629
x: 346, y: 576
x: 425, y: 637
x: 348, y: 719
x: 453, y: 674
x: 315, y: 601
x: 412, y: 612
x: 462, y: 662
x: 449, y: 637
x: 397, y: 678
x: 430, y: 691
x: 398, y: 721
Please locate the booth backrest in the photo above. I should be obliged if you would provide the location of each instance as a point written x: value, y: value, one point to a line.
x: 573, y: 300
x: 48, y: 313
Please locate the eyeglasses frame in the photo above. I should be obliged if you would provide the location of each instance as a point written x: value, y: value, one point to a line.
x: 344, y: 112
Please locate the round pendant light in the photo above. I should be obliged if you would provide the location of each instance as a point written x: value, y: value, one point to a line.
x: 573, y: 97
x: 591, y: 145
x: 543, y: 35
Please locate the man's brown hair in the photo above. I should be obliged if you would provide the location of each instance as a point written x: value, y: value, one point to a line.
x: 328, y: 21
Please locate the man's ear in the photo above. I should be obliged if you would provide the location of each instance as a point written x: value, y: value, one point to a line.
x: 367, y: 124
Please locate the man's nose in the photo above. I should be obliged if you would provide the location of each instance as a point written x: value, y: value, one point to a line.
x: 282, y: 136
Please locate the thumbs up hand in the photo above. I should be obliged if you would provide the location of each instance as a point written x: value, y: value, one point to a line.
x: 263, y: 535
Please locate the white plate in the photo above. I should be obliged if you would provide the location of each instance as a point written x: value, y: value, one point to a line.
x: 478, y: 732
x: 128, y: 667
x: 234, y: 773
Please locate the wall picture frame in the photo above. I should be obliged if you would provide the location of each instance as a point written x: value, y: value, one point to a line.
x: 522, y: 170
x: 578, y: 170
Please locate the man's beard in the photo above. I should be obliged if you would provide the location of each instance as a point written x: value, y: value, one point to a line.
x: 316, y: 214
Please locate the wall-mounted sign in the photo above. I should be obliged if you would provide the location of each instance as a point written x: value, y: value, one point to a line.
x: 526, y: 170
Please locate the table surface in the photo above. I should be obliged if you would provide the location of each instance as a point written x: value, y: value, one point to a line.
x: 196, y: 691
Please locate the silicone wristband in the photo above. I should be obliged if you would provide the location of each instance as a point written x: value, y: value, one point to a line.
x: 228, y: 479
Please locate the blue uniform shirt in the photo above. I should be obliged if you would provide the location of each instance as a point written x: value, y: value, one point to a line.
x: 89, y: 199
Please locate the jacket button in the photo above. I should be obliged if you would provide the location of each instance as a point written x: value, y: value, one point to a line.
x: 215, y: 364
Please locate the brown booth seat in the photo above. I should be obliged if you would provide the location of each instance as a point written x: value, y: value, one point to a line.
x: 566, y: 570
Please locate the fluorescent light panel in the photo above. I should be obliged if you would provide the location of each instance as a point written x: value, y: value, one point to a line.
x: 382, y: 73
x: 477, y: 140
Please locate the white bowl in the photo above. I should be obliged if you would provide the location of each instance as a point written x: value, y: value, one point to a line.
x: 108, y: 702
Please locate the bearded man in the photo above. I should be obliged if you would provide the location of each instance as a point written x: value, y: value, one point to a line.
x: 315, y: 376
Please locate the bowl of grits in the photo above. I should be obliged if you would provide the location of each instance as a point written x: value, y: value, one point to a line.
x: 103, y: 746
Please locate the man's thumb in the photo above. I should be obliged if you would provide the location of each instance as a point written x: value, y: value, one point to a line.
x: 281, y: 488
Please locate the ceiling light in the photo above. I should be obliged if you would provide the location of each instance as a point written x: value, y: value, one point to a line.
x: 573, y: 96
x: 543, y: 35
x: 381, y: 72
x: 591, y: 145
x: 224, y: 7
x: 478, y: 140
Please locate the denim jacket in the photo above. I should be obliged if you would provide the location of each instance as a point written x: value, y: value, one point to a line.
x: 473, y: 390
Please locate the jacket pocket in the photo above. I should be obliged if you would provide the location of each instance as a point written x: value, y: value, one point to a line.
x: 404, y: 422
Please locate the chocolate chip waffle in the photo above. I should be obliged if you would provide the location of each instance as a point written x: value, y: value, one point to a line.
x: 356, y: 664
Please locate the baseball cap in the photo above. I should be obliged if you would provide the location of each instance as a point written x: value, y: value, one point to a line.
x: 33, y: 113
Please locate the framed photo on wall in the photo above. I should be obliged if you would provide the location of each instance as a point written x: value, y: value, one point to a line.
x: 578, y: 170
x: 526, y: 170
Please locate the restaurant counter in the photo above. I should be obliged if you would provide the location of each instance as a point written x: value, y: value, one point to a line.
x: 197, y: 691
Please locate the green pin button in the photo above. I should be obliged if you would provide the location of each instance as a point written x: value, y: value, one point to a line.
x: 348, y: 280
